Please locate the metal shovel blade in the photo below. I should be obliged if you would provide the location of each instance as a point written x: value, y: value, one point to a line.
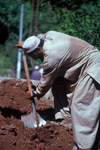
x: 30, y: 119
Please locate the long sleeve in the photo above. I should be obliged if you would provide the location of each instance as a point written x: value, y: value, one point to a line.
x: 50, y: 72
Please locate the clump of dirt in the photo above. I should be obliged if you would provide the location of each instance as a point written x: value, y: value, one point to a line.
x: 13, y: 135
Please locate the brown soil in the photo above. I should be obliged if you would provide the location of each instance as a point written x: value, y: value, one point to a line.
x: 13, y: 135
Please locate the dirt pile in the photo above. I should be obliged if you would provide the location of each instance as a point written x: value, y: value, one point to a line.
x: 13, y: 135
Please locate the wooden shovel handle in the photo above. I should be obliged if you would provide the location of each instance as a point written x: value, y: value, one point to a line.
x: 26, y: 72
x: 29, y: 85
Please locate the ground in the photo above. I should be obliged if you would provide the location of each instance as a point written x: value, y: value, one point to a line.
x: 13, y: 134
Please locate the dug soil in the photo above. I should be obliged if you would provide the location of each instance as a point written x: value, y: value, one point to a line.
x: 13, y: 134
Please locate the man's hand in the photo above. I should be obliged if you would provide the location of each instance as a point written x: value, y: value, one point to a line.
x: 19, y: 44
x: 30, y: 94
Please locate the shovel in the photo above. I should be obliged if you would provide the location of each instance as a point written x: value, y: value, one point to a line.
x: 33, y: 119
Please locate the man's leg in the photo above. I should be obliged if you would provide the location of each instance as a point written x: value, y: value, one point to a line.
x: 85, y: 111
x: 61, y: 105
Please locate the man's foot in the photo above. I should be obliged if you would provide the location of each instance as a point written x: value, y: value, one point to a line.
x: 58, y: 121
x: 66, y: 123
x: 63, y: 122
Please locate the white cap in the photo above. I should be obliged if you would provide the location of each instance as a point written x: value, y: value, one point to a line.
x: 30, y: 44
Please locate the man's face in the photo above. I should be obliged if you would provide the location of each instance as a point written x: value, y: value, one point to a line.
x: 37, y: 54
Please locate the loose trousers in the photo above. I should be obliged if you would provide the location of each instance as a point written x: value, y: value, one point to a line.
x: 82, y: 99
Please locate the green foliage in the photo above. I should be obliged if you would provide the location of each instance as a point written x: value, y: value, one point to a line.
x: 6, y: 72
x: 77, y: 18
x: 10, y: 15
x: 47, y: 19
x: 74, y: 17
x: 4, y: 62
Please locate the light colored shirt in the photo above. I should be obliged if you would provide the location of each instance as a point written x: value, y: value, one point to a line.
x: 68, y: 57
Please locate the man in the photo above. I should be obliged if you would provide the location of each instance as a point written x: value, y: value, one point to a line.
x: 71, y: 67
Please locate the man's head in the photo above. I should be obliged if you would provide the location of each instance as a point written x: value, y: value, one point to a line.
x: 32, y: 46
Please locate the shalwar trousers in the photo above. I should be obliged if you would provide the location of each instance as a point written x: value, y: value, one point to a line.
x: 82, y: 100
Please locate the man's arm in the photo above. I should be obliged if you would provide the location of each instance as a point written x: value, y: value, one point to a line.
x: 50, y: 72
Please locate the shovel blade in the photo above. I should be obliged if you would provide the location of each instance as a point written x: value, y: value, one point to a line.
x: 30, y: 119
